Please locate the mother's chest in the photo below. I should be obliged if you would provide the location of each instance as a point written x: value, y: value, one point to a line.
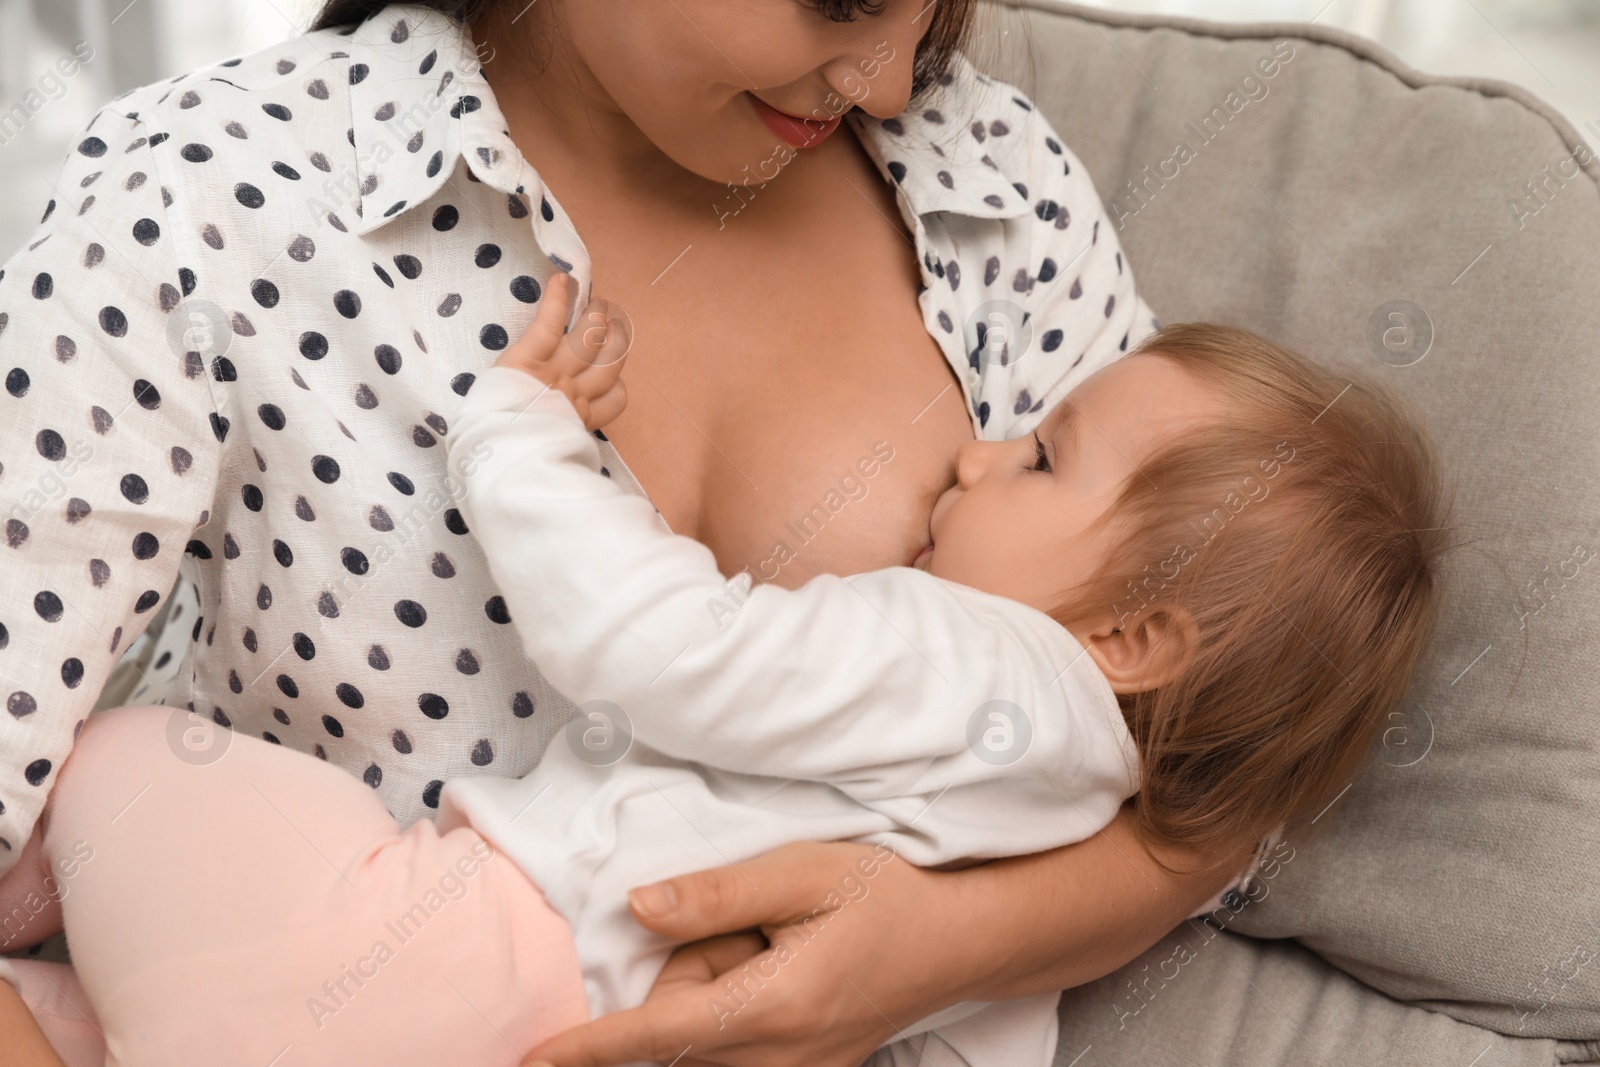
x: 785, y: 396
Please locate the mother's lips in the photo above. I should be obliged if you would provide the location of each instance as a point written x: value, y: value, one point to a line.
x: 797, y: 131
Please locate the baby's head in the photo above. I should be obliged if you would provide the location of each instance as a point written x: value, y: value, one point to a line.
x: 1246, y: 545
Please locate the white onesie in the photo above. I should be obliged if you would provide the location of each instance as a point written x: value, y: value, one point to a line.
x: 717, y: 721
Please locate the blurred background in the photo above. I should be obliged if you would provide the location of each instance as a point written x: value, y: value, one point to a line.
x: 1551, y: 47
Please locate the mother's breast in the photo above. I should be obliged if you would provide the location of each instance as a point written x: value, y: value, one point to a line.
x: 787, y: 405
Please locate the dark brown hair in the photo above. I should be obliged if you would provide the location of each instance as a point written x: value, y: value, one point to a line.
x: 951, y: 25
x: 1302, y: 535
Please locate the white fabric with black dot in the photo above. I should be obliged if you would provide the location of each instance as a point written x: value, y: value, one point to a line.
x: 351, y: 204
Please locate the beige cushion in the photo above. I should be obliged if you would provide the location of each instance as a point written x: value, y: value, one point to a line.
x: 1461, y: 871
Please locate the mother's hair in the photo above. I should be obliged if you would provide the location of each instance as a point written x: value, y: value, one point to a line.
x: 952, y: 22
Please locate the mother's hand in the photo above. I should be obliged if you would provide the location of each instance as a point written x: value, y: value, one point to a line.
x: 824, y: 994
x: 863, y: 944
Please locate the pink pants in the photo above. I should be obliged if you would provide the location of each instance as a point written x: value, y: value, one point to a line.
x: 263, y: 908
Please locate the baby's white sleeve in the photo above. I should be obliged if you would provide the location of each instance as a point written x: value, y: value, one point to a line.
x: 893, y: 685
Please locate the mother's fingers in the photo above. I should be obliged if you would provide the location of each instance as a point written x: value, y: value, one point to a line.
x: 748, y: 1015
x: 654, y: 1032
x: 781, y: 886
x: 795, y: 1004
x: 706, y: 960
x: 667, y: 1022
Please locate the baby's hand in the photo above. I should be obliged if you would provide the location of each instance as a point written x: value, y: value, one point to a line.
x: 585, y: 364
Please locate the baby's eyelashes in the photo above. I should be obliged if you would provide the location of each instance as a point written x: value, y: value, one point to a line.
x: 1041, y: 460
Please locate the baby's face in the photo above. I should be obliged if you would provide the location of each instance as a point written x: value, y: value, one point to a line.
x: 1016, y: 523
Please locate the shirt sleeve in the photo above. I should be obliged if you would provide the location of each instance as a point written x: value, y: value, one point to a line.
x: 885, y: 684
x: 1002, y: 1033
x: 108, y: 452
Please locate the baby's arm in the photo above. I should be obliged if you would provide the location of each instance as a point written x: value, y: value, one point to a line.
x: 868, y: 682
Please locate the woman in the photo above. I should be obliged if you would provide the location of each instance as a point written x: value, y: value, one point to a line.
x: 263, y: 289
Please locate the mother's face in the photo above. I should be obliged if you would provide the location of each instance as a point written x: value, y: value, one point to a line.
x: 685, y: 72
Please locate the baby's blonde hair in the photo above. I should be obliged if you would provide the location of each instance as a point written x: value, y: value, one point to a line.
x: 1302, y: 534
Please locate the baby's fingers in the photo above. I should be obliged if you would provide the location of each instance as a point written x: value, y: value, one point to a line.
x: 597, y: 379
x: 580, y: 404
x: 603, y: 335
x: 607, y: 406
x: 543, y: 338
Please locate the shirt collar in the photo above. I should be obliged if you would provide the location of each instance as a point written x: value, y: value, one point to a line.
x: 420, y: 103
x: 938, y: 151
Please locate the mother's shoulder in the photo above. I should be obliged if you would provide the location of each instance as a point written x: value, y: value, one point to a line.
x: 1019, y: 137
x: 307, y: 71
x: 977, y: 145
x: 271, y: 132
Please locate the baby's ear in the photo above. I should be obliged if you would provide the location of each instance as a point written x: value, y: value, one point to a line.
x: 1147, y: 651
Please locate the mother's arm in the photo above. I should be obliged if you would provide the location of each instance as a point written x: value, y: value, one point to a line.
x: 109, y: 446
x: 892, y: 946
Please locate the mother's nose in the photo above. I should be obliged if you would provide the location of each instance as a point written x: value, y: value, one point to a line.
x: 875, y: 72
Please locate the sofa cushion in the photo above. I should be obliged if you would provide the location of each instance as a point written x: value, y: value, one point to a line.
x: 1201, y: 997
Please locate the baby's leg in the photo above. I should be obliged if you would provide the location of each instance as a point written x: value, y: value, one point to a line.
x: 30, y: 905
x: 61, y: 1008
x: 30, y: 912
x: 260, y: 906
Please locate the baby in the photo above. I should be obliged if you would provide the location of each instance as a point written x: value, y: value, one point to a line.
x: 1202, y: 582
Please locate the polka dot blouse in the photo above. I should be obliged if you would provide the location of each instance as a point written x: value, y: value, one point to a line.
x: 233, y: 349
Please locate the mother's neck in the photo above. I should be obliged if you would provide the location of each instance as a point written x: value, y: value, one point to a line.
x: 559, y: 114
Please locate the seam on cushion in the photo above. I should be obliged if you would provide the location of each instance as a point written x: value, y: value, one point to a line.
x: 1577, y: 1052
x: 1360, y: 47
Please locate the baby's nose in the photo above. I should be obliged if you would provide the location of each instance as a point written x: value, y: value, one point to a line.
x: 973, y: 459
